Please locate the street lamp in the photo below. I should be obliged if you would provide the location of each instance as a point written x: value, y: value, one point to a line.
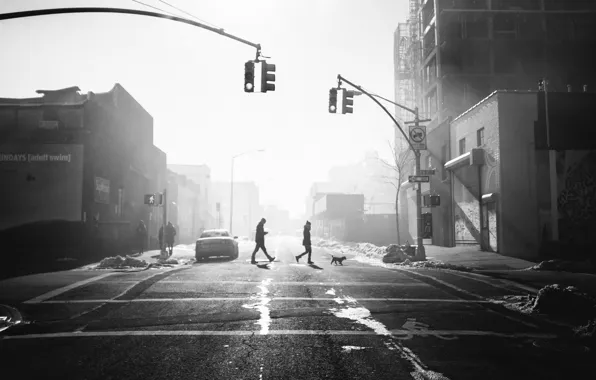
x: 232, y: 184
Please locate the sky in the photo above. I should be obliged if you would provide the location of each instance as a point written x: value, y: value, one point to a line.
x: 191, y: 79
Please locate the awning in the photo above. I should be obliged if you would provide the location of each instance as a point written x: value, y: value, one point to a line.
x: 473, y: 157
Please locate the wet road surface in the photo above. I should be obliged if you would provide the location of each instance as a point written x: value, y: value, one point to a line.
x: 223, y: 319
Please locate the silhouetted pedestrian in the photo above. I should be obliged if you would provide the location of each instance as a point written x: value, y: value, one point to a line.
x: 170, y: 234
x: 306, y: 243
x: 260, y: 240
x: 141, y: 235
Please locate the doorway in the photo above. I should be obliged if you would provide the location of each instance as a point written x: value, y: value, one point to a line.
x: 489, y: 226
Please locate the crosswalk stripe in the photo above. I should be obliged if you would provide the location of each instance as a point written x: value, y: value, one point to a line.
x: 291, y: 283
x: 65, y: 289
x: 216, y: 299
x: 407, y: 334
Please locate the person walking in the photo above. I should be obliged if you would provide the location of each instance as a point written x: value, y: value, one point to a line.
x: 170, y: 234
x: 306, y: 243
x: 141, y: 233
x: 260, y: 240
x: 160, y: 238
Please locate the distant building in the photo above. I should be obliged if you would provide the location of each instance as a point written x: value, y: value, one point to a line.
x: 339, y: 216
x: 184, y: 207
x: 201, y: 176
x: 80, y: 158
x: 278, y: 220
x: 247, y: 208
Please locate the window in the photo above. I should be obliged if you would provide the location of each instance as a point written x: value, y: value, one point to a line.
x: 480, y: 137
x: 430, y: 162
x: 215, y: 233
x: 462, y: 146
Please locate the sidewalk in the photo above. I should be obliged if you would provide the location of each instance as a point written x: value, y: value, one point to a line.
x: 473, y: 257
x: 510, y: 268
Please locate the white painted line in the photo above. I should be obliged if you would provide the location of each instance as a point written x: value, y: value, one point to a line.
x: 144, y: 279
x: 65, y: 289
x: 237, y: 299
x: 396, y: 333
x: 293, y: 283
x: 495, y: 282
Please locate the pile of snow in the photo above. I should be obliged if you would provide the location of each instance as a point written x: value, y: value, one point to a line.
x: 565, y: 266
x: 587, y: 333
x: 553, y: 300
x: 120, y: 262
x: 433, y: 264
x: 392, y: 254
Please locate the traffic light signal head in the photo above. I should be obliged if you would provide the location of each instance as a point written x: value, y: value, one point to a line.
x: 249, y: 76
x: 267, y: 77
x: 348, y: 102
x: 333, y: 100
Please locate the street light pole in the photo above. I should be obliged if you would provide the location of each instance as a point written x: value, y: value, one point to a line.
x: 420, y: 251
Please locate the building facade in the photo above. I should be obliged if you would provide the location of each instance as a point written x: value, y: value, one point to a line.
x: 86, y: 159
x: 500, y: 178
x: 200, y: 175
x: 247, y: 208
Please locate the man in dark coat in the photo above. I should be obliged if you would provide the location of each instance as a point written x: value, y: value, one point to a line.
x: 260, y: 240
x: 170, y: 234
x: 141, y: 233
x: 306, y: 243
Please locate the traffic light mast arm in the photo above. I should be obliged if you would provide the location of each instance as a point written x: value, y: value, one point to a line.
x: 54, y: 11
x: 342, y: 79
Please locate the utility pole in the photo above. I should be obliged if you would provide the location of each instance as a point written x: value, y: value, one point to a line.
x: 552, y: 161
x: 420, y: 251
x: 165, y: 216
x: 232, y: 196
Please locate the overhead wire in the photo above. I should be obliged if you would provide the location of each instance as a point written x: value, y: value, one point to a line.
x: 156, y: 8
x: 190, y: 14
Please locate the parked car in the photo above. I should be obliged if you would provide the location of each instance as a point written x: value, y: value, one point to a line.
x: 217, y: 242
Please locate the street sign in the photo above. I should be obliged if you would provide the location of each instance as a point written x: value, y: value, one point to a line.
x: 418, y: 137
x: 418, y: 178
x: 150, y: 199
x: 427, y: 172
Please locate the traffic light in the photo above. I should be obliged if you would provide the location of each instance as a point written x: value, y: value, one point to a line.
x: 267, y: 70
x: 348, y: 102
x: 333, y: 100
x: 249, y: 76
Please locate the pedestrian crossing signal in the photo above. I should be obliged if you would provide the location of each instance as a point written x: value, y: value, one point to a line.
x: 150, y: 199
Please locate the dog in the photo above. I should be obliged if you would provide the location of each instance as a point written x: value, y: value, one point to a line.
x: 337, y: 260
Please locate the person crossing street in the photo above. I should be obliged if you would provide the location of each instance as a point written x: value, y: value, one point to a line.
x: 306, y: 243
x: 260, y: 240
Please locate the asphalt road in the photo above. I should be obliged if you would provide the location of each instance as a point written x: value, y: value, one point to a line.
x: 224, y: 319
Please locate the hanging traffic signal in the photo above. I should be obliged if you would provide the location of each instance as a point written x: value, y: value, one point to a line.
x: 348, y: 102
x: 267, y: 70
x: 249, y: 76
x: 333, y: 100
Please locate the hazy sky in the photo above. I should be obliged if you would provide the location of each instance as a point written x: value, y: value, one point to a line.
x: 191, y: 80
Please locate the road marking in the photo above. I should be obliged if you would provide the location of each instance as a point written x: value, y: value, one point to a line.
x: 396, y: 333
x: 484, y: 279
x: 65, y: 289
x: 144, y: 279
x: 472, y: 295
x: 292, y: 283
x: 207, y: 299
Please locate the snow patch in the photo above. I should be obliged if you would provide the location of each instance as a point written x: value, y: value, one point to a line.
x: 330, y: 291
x: 349, y: 349
x: 119, y: 262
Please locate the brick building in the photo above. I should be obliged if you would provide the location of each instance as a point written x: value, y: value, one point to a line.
x: 499, y: 174
x: 184, y: 207
x: 109, y: 163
